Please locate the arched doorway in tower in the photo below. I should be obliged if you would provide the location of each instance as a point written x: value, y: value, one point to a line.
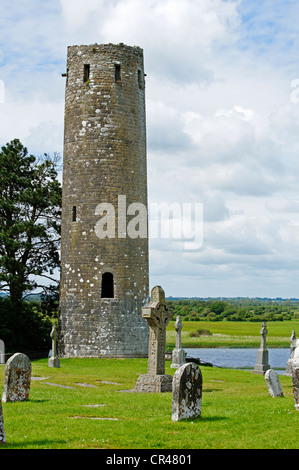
x: 107, y: 290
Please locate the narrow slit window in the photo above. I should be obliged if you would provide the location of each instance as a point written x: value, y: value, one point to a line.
x: 140, y: 84
x: 86, y: 73
x: 107, y: 291
x: 74, y: 214
x: 117, y: 73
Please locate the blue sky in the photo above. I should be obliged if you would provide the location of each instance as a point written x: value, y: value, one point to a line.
x: 222, y: 128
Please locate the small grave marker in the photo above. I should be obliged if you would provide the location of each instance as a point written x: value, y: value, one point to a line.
x: 2, y: 352
x: 17, y: 378
x: 262, y: 365
x: 178, y: 354
x: 187, y: 392
x: 54, y: 360
x: 295, y: 380
x: 273, y: 383
x: 2, y: 430
x: 288, y: 371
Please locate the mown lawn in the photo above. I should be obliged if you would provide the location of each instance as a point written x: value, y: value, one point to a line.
x: 233, y: 334
x: 237, y: 410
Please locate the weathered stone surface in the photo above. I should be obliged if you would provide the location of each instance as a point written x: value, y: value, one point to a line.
x: 178, y: 354
x: 187, y: 392
x: 2, y: 430
x: 262, y: 365
x: 148, y: 383
x: 158, y: 316
x: 2, y: 352
x: 293, y: 362
x: 273, y: 383
x: 17, y: 378
x: 104, y: 157
x: 293, y: 340
x: 295, y: 380
x: 54, y: 360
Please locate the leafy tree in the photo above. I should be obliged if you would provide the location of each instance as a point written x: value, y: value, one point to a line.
x: 30, y: 210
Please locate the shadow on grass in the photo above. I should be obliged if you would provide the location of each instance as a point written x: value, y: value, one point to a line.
x: 30, y: 400
x: 207, y: 419
x: 42, y: 443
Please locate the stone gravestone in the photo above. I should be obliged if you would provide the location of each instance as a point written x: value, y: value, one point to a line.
x: 17, y: 378
x: 158, y: 316
x: 262, y: 365
x: 273, y: 383
x: 186, y: 392
x: 295, y: 380
x: 178, y: 354
x: 288, y: 370
x: 54, y: 360
x: 293, y: 362
x: 2, y: 352
x: 2, y: 430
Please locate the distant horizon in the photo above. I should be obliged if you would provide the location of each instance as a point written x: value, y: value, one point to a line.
x: 171, y: 297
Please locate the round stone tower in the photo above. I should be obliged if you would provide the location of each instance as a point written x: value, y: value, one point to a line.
x: 104, y: 247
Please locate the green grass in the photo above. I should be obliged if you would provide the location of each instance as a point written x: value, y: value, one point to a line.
x: 233, y: 334
x: 237, y: 411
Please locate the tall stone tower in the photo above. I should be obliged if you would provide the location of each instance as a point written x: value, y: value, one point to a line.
x: 104, y: 269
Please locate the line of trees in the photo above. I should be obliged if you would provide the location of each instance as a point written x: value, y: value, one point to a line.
x: 234, y: 309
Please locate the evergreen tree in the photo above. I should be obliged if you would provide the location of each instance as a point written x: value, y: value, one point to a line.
x: 30, y: 211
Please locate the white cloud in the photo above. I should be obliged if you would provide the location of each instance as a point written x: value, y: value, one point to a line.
x: 221, y: 125
x: 175, y: 34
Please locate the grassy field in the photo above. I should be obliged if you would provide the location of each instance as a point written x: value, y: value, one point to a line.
x: 99, y: 411
x: 237, y: 410
x: 233, y: 334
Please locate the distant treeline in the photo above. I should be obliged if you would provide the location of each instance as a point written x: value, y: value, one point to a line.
x: 235, y: 309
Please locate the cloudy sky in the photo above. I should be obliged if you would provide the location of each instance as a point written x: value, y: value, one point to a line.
x: 222, y: 99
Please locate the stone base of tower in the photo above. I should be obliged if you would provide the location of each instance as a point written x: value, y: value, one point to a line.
x: 113, y: 330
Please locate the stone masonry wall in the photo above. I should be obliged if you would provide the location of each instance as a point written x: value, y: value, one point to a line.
x: 104, y: 157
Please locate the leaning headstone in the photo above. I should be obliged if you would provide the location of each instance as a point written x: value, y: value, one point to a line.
x: 178, y: 354
x: 17, y: 378
x: 186, y: 392
x: 262, y: 365
x: 2, y: 430
x: 288, y: 370
x: 54, y: 360
x: 295, y: 380
x: 273, y: 383
x: 158, y: 316
x: 2, y: 352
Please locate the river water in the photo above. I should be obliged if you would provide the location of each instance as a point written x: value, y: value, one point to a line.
x: 240, y: 358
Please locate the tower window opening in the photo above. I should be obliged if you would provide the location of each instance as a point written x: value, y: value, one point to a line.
x: 74, y: 214
x: 140, y: 84
x: 107, y: 291
x: 86, y: 73
x: 117, y: 73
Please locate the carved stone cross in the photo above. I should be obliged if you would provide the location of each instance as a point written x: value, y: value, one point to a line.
x: 178, y: 354
x: 262, y: 365
x: 158, y: 316
x: 54, y: 361
x: 263, y: 333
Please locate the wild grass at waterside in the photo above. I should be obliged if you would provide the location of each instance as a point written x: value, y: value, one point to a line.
x: 227, y: 334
